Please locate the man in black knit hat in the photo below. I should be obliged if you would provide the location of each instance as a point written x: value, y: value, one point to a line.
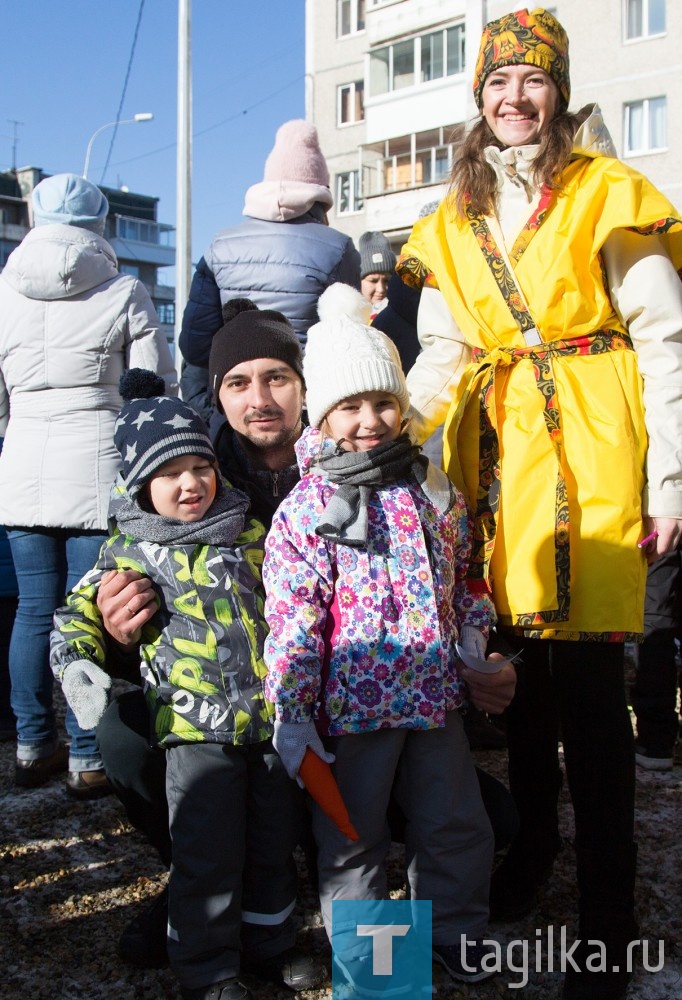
x: 256, y: 379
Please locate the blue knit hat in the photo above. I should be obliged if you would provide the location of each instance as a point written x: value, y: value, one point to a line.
x: 153, y: 428
x: 70, y: 200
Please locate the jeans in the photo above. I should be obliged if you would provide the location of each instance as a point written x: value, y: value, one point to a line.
x: 8, y: 606
x: 48, y: 563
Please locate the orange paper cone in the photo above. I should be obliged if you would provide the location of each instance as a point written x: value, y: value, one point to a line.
x: 317, y: 777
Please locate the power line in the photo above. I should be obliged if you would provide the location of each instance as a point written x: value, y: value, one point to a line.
x: 210, y: 128
x: 125, y: 87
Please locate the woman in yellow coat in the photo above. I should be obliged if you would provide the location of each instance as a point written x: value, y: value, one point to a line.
x: 551, y: 326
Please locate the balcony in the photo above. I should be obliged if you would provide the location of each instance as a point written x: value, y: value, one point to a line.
x: 410, y: 161
x: 143, y: 240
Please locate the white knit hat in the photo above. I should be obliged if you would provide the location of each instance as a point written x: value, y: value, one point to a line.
x: 345, y: 356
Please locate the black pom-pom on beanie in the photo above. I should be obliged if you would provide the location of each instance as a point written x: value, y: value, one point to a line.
x: 233, y: 307
x: 140, y: 383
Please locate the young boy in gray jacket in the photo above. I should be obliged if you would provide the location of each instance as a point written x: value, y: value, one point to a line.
x: 232, y: 807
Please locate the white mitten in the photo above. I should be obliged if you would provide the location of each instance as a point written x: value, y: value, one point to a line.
x: 86, y: 688
x: 473, y: 641
x: 292, y: 739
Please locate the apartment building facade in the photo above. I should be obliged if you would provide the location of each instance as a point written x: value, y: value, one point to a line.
x: 388, y: 85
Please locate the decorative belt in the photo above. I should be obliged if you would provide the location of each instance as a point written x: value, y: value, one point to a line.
x: 488, y: 489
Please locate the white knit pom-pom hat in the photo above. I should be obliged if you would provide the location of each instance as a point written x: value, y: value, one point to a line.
x: 345, y: 356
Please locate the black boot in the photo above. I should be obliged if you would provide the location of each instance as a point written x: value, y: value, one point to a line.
x: 606, y: 880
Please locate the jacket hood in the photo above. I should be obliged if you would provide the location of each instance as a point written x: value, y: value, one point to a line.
x: 312, y: 445
x: 279, y: 201
x: 593, y: 138
x: 58, y: 261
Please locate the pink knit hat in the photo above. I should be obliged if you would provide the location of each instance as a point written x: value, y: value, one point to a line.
x: 296, y: 155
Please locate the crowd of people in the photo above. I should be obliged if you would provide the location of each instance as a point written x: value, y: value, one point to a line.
x: 390, y: 490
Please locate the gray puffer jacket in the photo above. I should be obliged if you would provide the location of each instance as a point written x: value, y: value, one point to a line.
x: 70, y: 324
x: 283, y: 265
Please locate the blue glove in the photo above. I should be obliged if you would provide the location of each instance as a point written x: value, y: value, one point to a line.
x: 292, y: 739
x: 86, y: 688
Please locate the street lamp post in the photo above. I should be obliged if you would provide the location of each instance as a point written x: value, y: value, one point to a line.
x: 143, y: 116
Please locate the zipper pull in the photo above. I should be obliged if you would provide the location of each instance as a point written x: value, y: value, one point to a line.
x: 275, y: 484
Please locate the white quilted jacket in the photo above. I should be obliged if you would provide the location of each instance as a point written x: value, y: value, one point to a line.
x: 70, y: 324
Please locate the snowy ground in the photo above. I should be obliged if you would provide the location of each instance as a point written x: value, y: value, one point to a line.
x: 73, y: 874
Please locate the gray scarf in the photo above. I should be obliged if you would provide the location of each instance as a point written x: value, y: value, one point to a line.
x: 359, y: 473
x: 221, y: 525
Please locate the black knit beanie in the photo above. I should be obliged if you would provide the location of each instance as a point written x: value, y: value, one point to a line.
x: 250, y: 333
x: 153, y: 428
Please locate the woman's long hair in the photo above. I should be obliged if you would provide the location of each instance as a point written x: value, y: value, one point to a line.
x: 472, y: 179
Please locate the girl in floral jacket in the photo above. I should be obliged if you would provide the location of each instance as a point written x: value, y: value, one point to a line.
x: 365, y: 575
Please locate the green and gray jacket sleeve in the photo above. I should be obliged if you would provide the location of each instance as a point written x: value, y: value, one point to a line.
x: 78, y: 632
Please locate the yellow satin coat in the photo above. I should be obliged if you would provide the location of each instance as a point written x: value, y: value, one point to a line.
x: 599, y: 398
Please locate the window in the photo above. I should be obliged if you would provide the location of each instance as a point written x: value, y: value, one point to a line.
x: 417, y: 60
x: 645, y: 126
x: 350, y: 17
x: 348, y: 197
x: 132, y: 269
x: 6, y: 248
x: 439, y: 46
x: 411, y: 161
x: 455, y: 48
x: 351, y: 105
x: 644, y: 18
x: 166, y: 312
x: 139, y: 230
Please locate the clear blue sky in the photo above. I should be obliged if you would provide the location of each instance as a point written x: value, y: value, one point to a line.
x: 64, y: 66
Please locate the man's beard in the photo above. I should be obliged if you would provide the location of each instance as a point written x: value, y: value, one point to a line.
x: 268, y: 441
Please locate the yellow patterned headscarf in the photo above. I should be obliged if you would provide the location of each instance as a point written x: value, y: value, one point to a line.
x: 535, y: 38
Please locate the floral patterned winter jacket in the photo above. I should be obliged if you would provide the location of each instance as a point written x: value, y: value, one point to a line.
x: 364, y: 639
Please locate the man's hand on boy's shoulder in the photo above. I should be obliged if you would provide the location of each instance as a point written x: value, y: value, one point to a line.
x: 126, y: 601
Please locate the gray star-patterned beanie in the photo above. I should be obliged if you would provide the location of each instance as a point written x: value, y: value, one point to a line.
x: 153, y: 428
